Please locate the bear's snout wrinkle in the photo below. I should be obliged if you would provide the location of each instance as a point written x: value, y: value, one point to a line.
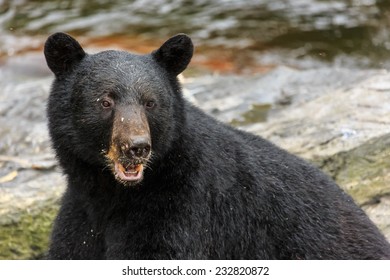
x: 131, y: 133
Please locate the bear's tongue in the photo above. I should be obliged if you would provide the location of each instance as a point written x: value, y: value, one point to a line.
x: 129, y: 173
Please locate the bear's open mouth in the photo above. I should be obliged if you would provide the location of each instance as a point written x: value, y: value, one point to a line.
x: 129, y: 173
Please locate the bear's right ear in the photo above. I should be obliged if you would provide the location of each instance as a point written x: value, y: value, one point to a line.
x: 62, y: 52
x: 175, y: 54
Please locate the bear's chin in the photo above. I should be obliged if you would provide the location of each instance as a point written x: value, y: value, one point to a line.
x: 128, y: 175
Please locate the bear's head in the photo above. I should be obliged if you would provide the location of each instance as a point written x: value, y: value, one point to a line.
x: 115, y: 108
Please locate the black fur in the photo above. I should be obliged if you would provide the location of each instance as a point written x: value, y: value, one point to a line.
x: 62, y: 52
x: 209, y: 191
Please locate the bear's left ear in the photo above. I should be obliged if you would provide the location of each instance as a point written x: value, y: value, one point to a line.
x: 175, y: 54
x: 62, y: 52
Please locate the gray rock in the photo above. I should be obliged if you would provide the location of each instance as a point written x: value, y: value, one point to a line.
x: 30, y: 181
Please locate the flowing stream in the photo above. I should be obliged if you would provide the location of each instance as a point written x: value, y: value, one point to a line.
x: 302, y: 33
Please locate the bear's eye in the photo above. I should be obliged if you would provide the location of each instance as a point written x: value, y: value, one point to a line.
x: 150, y: 104
x: 106, y: 104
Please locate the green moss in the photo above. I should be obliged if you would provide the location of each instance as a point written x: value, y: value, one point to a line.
x: 28, y: 237
x: 257, y: 113
x: 364, y: 172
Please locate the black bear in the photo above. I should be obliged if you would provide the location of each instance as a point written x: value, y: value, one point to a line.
x: 150, y: 176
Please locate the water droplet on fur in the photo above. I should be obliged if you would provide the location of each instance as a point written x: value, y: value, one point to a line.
x: 97, y: 100
x: 122, y: 119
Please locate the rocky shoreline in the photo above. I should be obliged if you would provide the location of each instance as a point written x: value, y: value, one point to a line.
x: 337, y: 118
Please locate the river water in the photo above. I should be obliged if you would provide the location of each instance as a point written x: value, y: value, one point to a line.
x: 300, y: 33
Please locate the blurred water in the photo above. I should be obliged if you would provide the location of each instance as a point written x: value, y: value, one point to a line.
x: 345, y: 32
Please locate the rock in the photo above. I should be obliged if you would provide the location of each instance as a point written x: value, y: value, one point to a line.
x: 30, y: 181
x: 228, y: 97
x: 364, y: 172
x: 335, y: 121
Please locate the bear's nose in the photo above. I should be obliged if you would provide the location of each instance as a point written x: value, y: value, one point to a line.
x: 139, y: 147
